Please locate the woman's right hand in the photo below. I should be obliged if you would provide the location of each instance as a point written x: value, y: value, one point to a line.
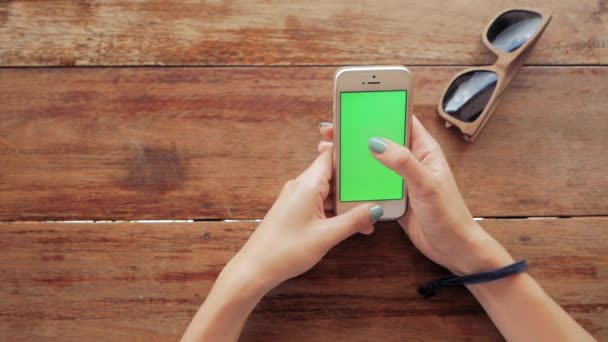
x: 438, y: 222
x: 440, y: 225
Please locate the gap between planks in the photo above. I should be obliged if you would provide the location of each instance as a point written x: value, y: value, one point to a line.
x: 260, y: 220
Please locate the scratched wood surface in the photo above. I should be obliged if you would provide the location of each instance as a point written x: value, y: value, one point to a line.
x: 119, y: 32
x: 144, y: 282
x: 217, y: 143
x: 183, y: 143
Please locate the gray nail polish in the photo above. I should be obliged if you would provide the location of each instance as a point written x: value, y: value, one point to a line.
x: 376, y: 212
x: 325, y: 124
x: 376, y: 145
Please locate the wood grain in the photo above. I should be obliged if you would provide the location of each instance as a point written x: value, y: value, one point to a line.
x: 116, y: 32
x: 182, y: 143
x: 144, y: 282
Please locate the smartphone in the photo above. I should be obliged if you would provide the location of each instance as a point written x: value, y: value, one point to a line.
x: 370, y: 101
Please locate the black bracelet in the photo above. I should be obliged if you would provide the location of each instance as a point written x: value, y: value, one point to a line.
x: 430, y: 289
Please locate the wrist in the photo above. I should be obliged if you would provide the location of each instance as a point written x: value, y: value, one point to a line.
x: 485, y: 253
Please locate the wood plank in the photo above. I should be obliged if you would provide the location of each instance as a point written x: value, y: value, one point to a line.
x: 178, y: 143
x: 120, y: 32
x: 133, y: 281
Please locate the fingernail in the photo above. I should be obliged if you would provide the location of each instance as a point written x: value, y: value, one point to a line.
x: 376, y: 212
x: 376, y: 145
x: 325, y: 124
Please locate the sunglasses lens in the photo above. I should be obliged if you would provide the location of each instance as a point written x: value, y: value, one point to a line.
x: 469, y: 94
x: 512, y: 29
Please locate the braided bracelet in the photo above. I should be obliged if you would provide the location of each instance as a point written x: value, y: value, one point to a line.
x: 430, y: 289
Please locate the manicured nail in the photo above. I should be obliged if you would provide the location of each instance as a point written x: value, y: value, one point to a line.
x: 376, y: 145
x: 376, y: 212
x: 325, y: 124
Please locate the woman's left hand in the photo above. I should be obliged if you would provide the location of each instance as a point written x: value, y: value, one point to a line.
x: 295, y: 234
x: 292, y: 238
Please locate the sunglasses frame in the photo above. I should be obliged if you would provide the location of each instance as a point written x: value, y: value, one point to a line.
x: 506, y: 67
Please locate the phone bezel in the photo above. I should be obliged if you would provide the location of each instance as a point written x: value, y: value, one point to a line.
x: 357, y: 78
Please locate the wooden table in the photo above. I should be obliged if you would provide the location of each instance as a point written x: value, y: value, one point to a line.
x: 116, y: 112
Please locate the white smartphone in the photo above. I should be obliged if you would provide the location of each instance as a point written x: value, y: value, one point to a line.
x: 370, y: 101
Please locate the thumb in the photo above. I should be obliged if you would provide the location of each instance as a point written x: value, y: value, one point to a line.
x: 359, y: 219
x: 399, y: 159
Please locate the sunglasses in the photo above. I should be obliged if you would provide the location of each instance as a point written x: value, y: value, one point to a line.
x: 472, y: 95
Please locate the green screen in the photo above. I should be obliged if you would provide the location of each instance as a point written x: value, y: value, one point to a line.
x: 364, y: 115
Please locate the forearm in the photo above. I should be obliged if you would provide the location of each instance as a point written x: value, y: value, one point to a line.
x: 522, y: 311
x: 225, y: 310
x: 520, y: 308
